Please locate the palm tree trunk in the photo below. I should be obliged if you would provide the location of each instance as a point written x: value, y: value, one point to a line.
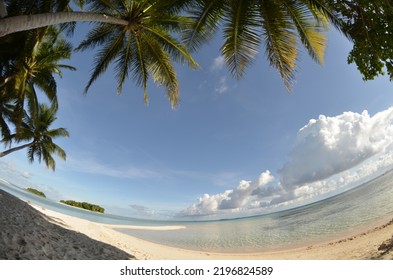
x: 2, y: 154
x: 27, y: 22
x: 3, y: 9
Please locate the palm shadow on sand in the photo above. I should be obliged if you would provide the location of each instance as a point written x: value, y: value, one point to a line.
x: 25, y: 233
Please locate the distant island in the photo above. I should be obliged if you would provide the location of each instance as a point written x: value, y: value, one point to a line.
x: 84, y: 205
x: 36, y: 192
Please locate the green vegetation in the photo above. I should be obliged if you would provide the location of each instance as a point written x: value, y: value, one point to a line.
x: 29, y: 62
x: 84, y: 205
x: 35, y: 129
x: 143, y: 39
x: 369, y: 24
x: 37, y: 192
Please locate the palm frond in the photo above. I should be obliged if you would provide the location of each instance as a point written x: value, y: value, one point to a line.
x: 48, y: 159
x: 5, y: 130
x: 205, y: 16
x: 59, y: 152
x: 176, y: 50
x: 327, y: 11
x: 124, y: 62
x: 58, y: 132
x: 139, y: 68
x: 104, y: 6
x: 161, y: 69
x: 105, y: 56
x: 309, y: 30
x: 32, y: 101
x: 242, y: 40
x: 47, y: 83
x: 280, y: 40
x: 97, y: 36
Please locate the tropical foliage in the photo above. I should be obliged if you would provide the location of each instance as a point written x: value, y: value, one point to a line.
x: 143, y: 39
x: 35, y: 129
x: 36, y: 192
x: 138, y: 36
x: 143, y: 49
x: 277, y: 25
x: 33, y: 66
x: 29, y: 62
x: 370, y: 26
x: 84, y: 205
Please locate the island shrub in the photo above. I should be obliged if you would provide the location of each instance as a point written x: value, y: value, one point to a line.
x: 84, y: 205
x: 36, y: 192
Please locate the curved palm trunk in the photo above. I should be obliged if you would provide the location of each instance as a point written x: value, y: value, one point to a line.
x: 3, y: 9
x: 2, y: 154
x: 27, y: 22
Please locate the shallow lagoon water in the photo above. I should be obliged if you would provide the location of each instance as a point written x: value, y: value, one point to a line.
x: 358, y: 208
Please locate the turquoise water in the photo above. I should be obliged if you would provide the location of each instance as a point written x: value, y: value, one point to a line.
x: 358, y: 208
x: 73, y: 211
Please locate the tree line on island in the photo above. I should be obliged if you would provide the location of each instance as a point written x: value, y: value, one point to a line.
x: 143, y: 39
x: 83, y: 205
x: 36, y: 192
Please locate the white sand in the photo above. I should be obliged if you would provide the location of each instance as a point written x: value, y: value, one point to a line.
x: 361, y: 246
x: 26, y: 233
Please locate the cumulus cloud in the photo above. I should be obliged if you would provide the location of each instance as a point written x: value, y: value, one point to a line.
x: 234, y: 200
x: 330, y: 145
x: 330, y: 155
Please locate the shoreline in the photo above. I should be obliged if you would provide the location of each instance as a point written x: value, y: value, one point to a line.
x: 373, y: 243
x: 359, y: 245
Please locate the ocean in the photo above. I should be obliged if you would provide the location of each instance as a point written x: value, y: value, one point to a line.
x: 355, y: 210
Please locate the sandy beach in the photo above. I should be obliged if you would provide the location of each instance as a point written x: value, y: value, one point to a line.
x: 31, y: 232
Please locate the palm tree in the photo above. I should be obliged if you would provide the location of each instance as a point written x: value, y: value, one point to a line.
x: 144, y: 48
x: 35, y: 130
x: 13, y: 8
x: 45, y: 13
x: 246, y: 24
x: 39, y: 56
x: 138, y: 36
x: 7, y: 105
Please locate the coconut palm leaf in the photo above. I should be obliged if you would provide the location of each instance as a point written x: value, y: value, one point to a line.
x: 280, y: 40
x: 143, y: 49
x: 139, y: 68
x: 35, y: 130
x: 111, y: 49
x: 242, y: 39
x: 320, y: 7
x: 205, y: 17
x: 279, y: 25
x: 161, y: 69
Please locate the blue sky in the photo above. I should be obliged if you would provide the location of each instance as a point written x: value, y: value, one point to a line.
x: 232, y: 148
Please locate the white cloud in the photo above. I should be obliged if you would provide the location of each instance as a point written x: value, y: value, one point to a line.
x: 330, y: 155
x: 222, y: 85
x: 234, y: 200
x: 330, y: 145
x: 218, y: 63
